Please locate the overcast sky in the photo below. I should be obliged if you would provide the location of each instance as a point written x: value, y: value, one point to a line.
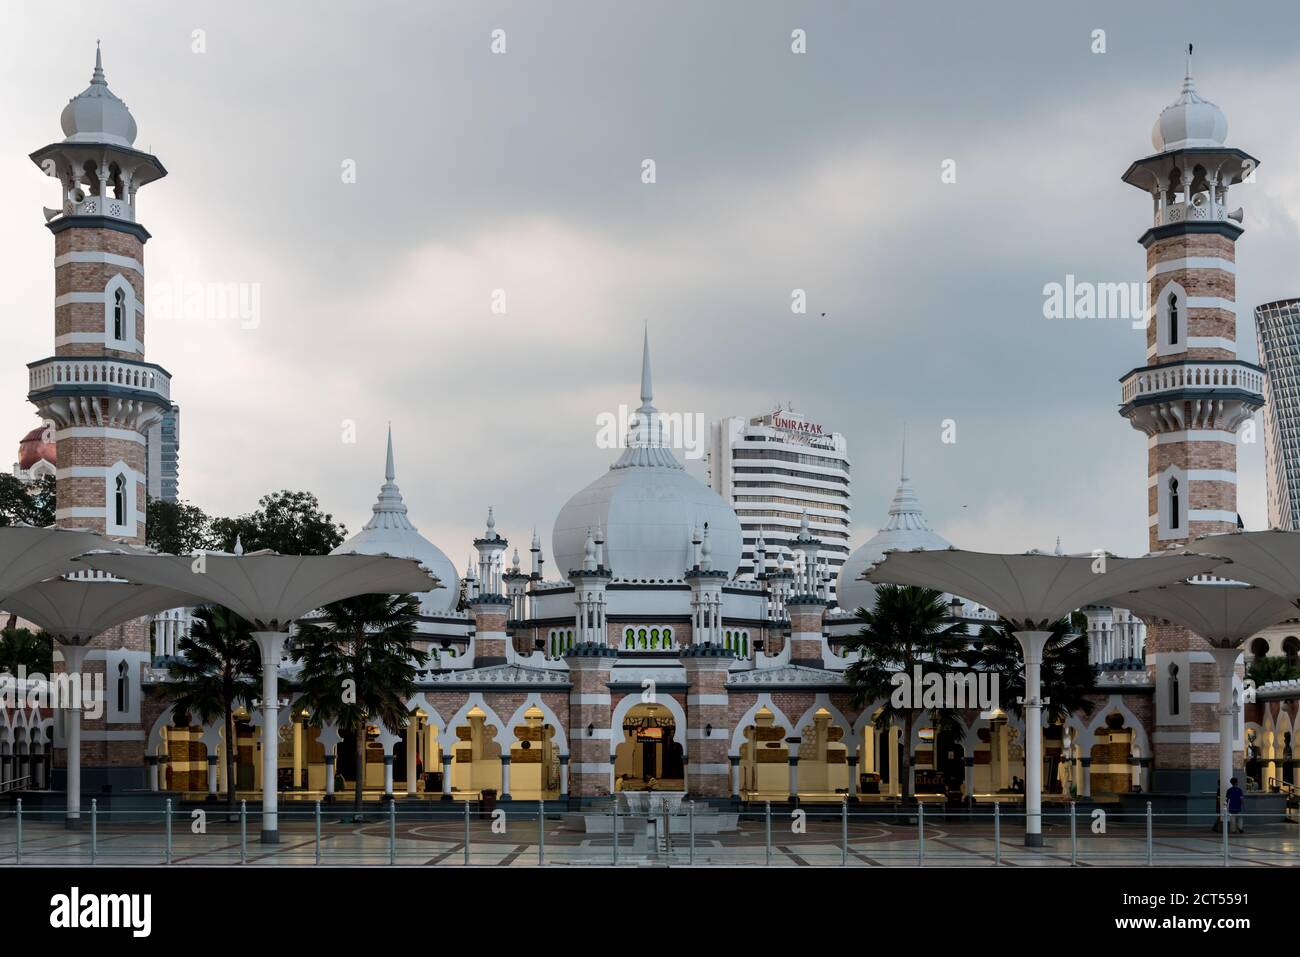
x: 775, y: 171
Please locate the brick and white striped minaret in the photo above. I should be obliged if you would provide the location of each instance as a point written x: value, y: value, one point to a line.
x: 1190, y: 398
x: 97, y: 392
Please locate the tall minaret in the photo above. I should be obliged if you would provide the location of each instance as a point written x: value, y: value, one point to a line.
x: 1189, y: 398
x: 97, y: 390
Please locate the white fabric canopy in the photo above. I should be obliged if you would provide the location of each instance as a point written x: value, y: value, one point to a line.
x: 1224, y: 614
x: 29, y: 555
x: 1034, y: 590
x: 1268, y: 559
x: 73, y: 612
x: 269, y: 590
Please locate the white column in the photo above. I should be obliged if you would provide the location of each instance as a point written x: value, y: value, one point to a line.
x: 1226, y: 659
x: 446, y: 773
x: 270, y: 644
x: 212, y: 775
x: 412, y: 744
x: 853, y: 777
x: 1031, y: 644
x: 505, y: 777
x: 153, y: 772
x: 564, y: 775
x: 794, y: 777
x: 388, y: 774
x: 329, y: 774
x: 73, y: 658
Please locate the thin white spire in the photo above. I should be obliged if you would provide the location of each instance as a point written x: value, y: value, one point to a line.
x: 647, y: 385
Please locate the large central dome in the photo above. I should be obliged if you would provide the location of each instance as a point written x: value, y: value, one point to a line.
x: 648, y: 508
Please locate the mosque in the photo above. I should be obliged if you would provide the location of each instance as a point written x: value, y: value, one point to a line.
x: 642, y: 662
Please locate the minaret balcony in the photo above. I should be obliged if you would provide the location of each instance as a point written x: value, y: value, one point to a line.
x: 98, y: 376
x: 1192, y: 393
x: 101, y: 206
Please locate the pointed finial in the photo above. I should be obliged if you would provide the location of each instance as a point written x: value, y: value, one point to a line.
x: 389, y: 472
x: 239, y: 546
x: 98, y: 75
x: 1058, y: 545
x: 491, y: 524
x: 537, y: 542
x: 647, y: 386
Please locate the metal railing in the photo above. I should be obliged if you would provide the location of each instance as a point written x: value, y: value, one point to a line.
x: 470, y: 833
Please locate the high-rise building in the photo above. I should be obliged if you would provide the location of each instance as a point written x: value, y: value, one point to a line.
x: 1189, y: 399
x: 1277, y: 329
x: 163, y: 443
x: 775, y: 468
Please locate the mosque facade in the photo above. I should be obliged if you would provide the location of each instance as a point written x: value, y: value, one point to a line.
x: 644, y: 661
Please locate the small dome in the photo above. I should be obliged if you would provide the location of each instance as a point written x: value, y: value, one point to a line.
x: 390, y: 532
x: 97, y: 116
x: 33, y: 447
x: 1189, y: 121
x: 905, y: 530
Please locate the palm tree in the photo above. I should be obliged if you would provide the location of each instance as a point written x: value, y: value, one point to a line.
x: 906, y: 628
x: 1264, y: 670
x: 216, y: 668
x: 21, y: 647
x: 358, y: 666
x: 1065, y: 679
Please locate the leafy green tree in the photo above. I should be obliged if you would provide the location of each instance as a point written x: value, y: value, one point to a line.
x: 27, y: 503
x: 1264, y: 670
x: 216, y: 670
x: 906, y: 627
x: 178, y: 527
x: 26, y: 648
x: 1065, y: 677
x: 290, y: 523
x: 359, y: 665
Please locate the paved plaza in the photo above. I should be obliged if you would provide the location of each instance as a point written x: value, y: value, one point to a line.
x: 424, y: 837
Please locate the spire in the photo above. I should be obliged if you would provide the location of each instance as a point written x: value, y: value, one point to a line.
x: 645, y: 437
x: 389, y: 508
x: 239, y: 546
x: 647, y: 386
x: 98, y: 75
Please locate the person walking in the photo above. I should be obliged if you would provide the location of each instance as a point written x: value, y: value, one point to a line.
x: 1236, y: 800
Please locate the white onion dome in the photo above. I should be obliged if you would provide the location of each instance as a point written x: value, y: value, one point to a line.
x: 1190, y: 121
x: 390, y: 532
x: 647, y: 505
x: 96, y: 115
x: 905, y: 530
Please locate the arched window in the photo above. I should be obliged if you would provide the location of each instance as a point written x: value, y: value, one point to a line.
x: 119, y: 313
x: 119, y: 500
x: 1173, y: 319
x: 1173, y: 503
x: 1173, y: 689
x: 123, y: 687
x: 1291, y: 648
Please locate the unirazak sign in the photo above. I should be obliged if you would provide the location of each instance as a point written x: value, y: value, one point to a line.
x: 795, y: 425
